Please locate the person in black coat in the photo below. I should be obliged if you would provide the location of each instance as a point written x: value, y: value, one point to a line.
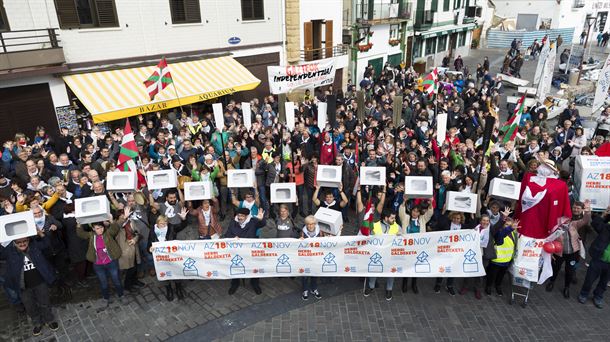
x: 75, y: 246
x: 29, y: 274
x: 164, y: 231
x: 56, y: 253
x: 247, y: 227
x: 599, y: 267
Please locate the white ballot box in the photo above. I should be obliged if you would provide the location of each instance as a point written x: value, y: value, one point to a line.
x: 241, y: 178
x: 372, y: 175
x: 464, y: 202
x: 504, y: 189
x: 121, y: 181
x: 329, y: 221
x: 329, y: 176
x: 419, y: 187
x: 592, y: 180
x: 17, y: 226
x: 194, y: 191
x: 283, y: 192
x: 161, y: 179
x: 92, y: 209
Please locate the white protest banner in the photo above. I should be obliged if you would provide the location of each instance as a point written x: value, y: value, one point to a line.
x: 434, y: 254
x: 247, y: 113
x: 290, y: 115
x: 283, y: 79
x: 441, y: 128
x: 218, y: 116
x: 527, y: 260
x: 322, y: 116
x: 544, y: 54
x: 601, y: 91
x: 544, y: 87
x: 592, y: 180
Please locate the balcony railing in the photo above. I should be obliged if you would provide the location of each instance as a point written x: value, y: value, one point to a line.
x: 578, y: 4
x: 321, y: 53
x: 383, y: 11
x: 25, y: 40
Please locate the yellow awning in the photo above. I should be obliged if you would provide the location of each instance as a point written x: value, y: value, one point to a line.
x: 117, y: 94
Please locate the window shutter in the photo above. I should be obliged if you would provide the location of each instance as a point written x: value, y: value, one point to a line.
x: 106, y: 13
x: 328, y: 39
x: 308, y: 40
x: 177, y: 11
x: 193, y: 13
x: 258, y: 9
x: 66, y: 14
x: 247, y: 12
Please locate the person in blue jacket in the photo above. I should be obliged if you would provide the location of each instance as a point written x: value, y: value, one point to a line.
x: 246, y: 226
x: 29, y: 274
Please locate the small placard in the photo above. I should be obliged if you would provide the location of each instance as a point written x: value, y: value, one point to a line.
x: 283, y: 192
x: 121, y: 181
x: 195, y: 191
x: 92, y: 209
x: 329, y: 176
x: 329, y: 221
x: 464, y: 202
x: 372, y: 175
x: 241, y: 178
x: 17, y: 226
x: 161, y: 179
x: 419, y: 187
x: 504, y: 189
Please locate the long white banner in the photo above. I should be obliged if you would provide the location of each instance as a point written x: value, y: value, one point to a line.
x: 435, y: 254
x: 283, y: 79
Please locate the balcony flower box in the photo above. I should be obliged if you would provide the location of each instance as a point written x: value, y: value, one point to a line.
x: 394, y: 42
x: 365, y: 47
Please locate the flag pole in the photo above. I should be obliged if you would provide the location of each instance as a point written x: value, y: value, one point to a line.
x: 177, y: 96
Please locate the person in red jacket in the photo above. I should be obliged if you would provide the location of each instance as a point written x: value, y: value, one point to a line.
x: 328, y: 150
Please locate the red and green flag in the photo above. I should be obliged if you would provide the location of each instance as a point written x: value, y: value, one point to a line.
x: 367, y: 222
x: 159, y: 80
x: 511, y: 127
x: 430, y: 83
x: 128, y: 153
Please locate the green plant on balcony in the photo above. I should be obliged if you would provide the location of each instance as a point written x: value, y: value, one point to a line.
x: 394, y: 42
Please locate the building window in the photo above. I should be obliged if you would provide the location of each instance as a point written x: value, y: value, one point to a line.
x: 446, y: 5
x: 430, y: 46
x: 442, y: 44
x: 434, y: 6
x: 3, y: 19
x: 185, y: 11
x: 394, y: 31
x: 417, y: 48
x: 456, y: 4
x: 86, y: 13
x: 462, y: 39
x: 252, y: 10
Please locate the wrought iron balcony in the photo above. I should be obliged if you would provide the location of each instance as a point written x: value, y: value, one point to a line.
x: 378, y: 13
x: 321, y: 53
x: 30, y: 48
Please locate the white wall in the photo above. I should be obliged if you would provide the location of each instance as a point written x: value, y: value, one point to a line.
x: 146, y: 28
x: 381, y: 48
x: 322, y: 10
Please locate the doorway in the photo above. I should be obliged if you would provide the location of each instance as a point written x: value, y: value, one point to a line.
x: 377, y: 64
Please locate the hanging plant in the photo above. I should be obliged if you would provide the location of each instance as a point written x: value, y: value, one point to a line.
x: 365, y: 47
x: 394, y: 42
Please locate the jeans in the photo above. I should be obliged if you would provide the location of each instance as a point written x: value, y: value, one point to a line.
x: 495, y: 274
x: 262, y: 195
x: 308, y: 202
x: 37, y: 304
x: 103, y: 271
x: 13, y: 297
x: 450, y: 281
x: 388, y: 285
x: 570, y: 269
x: 224, y: 195
x: 301, y: 198
x: 313, y: 283
x: 146, y: 259
x: 597, y: 269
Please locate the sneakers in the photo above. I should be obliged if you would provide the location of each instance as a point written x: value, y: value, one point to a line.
x: 388, y: 295
x: 123, y: 300
x: 451, y: 290
x: 53, y: 326
x: 599, y: 303
x: 317, y: 294
x: 582, y: 299
x: 305, y: 295
x: 437, y: 288
x: 37, y: 330
x: 367, y: 291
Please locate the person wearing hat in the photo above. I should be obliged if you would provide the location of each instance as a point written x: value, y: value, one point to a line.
x: 246, y: 226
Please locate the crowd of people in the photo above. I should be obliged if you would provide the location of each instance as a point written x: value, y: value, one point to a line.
x: 46, y: 172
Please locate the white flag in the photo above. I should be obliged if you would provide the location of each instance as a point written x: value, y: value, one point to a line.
x: 601, y: 92
x: 247, y: 113
x: 289, y: 106
x: 541, y: 59
x: 218, y: 116
x: 441, y: 128
x: 322, y: 117
x: 544, y: 87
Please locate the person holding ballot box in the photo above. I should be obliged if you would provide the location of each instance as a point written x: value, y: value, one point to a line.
x: 246, y: 226
x: 386, y: 226
x: 309, y: 231
x: 29, y: 274
x: 453, y: 221
x: 412, y: 223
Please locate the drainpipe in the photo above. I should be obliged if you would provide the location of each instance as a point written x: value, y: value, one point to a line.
x: 353, y: 50
x: 284, y: 58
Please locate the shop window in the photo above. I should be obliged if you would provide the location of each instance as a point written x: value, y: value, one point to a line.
x: 417, y: 48
x: 462, y: 39
x: 252, y: 10
x: 442, y: 44
x: 430, y: 46
x: 446, y: 5
x: 394, y: 31
x: 86, y: 13
x: 185, y: 11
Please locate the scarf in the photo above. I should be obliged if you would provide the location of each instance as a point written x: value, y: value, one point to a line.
x: 313, y: 234
x: 40, y: 222
x: 493, y: 218
x: 67, y: 198
x: 248, y: 205
x: 161, y: 233
x: 328, y: 205
x: 207, y: 215
x: 246, y: 221
x: 508, y: 172
x: 169, y: 210
x: 455, y: 226
x: 128, y: 230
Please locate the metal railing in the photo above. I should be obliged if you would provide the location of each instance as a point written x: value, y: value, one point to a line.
x: 321, y: 53
x: 25, y: 40
x: 381, y: 11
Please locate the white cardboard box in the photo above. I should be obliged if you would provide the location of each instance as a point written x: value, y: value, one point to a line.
x: 283, y: 192
x: 372, y: 175
x: 17, y: 226
x: 92, y: 209
x: 329, y: 176
x: 329, y: 221
x: 121, y: 181
x: 504, y: 189
x: 591, y: 181
x: 194, y: 191
x: 419, y: 187
x: 161, y: 179
x: 241, y: 178
x: 464, y: 202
